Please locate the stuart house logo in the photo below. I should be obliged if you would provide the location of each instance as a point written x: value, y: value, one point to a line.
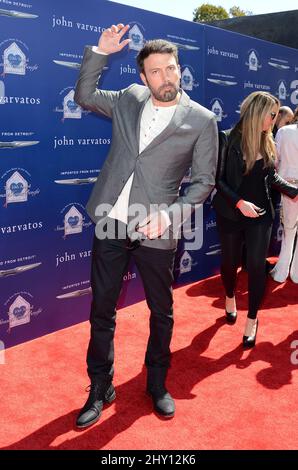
x: 187, y: 80
x: 185, y: 263
x: 73, y: 221
x: 253, y: 61
x: 282, y: 90
x: 136, y: 38
x: 217, y: 109
x: 71, y: 110
x: 16, y: 188
x: 19, y: 312
x: 14, y: 60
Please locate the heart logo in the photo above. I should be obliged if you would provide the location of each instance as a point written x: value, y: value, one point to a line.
x: 14, y: 60
x: 186, y: 79
x: 216, y: 111
x: 185, y: 263
x: 16, y: 188
x: 136, y: 38
x: 73, y: 220
x: 253, y: 61
x: 19, y: 312
x: 72, y: 106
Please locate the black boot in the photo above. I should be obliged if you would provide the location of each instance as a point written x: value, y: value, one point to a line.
x: 100, y: 392
x: 162, y: 401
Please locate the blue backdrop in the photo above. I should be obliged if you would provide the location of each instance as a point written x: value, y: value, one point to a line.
x: 51, y: 150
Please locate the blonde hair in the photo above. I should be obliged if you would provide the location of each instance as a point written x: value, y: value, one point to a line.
x: 254, y: 140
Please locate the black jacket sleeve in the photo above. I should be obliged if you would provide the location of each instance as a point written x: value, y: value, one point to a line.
x: 221, y: 185
x: 277, y: 182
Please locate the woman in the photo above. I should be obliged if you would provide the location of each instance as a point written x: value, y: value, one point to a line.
x: 243, y: 204
x: 287, y: 153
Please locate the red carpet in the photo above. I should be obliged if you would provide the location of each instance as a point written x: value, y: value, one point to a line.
x: 226, y: 398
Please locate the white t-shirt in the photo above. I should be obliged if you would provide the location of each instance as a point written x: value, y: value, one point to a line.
x: 287, y: 151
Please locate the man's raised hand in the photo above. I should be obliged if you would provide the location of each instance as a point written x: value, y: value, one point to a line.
x: 109, y: 41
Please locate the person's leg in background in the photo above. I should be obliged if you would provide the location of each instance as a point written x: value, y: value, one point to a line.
x: 294, y: 264
x: 290, y: 219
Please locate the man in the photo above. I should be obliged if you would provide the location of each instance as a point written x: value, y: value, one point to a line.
x: 284, y: 117
x: 158, y: 133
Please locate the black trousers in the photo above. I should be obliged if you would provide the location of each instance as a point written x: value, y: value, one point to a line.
x: 256, y: 238
x: 110, y: 260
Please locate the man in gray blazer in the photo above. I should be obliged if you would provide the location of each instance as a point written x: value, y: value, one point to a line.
x: 158, y: 134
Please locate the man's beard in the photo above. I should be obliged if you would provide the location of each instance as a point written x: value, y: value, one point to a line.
x: 165, y: 96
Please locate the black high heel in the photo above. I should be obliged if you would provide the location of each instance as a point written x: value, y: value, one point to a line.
x: 250, y: 341
x: 231, y: 317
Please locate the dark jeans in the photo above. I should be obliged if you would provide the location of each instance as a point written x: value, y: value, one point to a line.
x: 256, y: 238
x: 110, y: 260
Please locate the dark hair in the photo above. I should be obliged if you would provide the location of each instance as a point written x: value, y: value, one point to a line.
x: 156, y: 46
x: 283, y: 110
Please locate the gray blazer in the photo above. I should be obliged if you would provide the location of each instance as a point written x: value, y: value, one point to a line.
x: 190, y: 140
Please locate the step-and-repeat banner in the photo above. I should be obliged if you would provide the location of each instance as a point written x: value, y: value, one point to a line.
x: 51, y: 150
